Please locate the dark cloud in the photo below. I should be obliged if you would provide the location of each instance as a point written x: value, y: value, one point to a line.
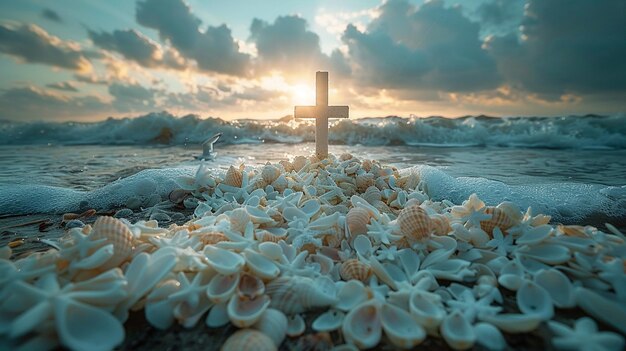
x: 425, y: 47
x: 132, y: 97
x: 33, y: 44
x: 30, y: 104
x: 63, y: 86
x: 287, y: 45
x: 214, y: 49
x: 566, y: 46
x: 500, y: 12
x: 51, y: 15
x: 137, y: 47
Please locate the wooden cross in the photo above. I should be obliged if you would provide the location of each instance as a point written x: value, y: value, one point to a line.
x: 321, y: 112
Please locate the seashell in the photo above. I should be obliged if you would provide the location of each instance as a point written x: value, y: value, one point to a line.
x: 354, y: 269
x: 281, y: 183
x: 457, y: 331
x: 233, y: 177
x: 212, y: 238
x: 351, y: 294
x: 362, y: 245
x: 244, y: 312
x: 328, y: 321
x: 345, y: 157
x: 250, y: 286
x: 513, y: 323
x: 123, y: 213
x: 271, y: 250
x: 177, y: 196
x: 558, y: 286
x: 382, y: 207
x: 325, y: 263
x: 499, y: 218
x: 512, y: 211
x: 218, y: 316
x: 264, y: 236
x: 362, y: 325
x: 270, y: 173
x: 533, y: 299
x: 117, y: 234
x: 288, y: 166
x: 248, y: 340
x: 489, y: 336
x: 372, y: 195
x: 223, y: 261
x: 610, y: 312
x: 295, y: 325
x: 222, y: 287
x: 160, y: 217
x: 363, y: 182
x: 260, y: 265
x: 401, y: 329
x: 573, y: 230
x: 414, y: 223
x: 426, y: 309
x: 552, y: 254
x: 440, y: 225
x: 297, y: 294
x: 74, y: 223
x: 357, y: 220
x: 272, y: 323
x: 239, y: 219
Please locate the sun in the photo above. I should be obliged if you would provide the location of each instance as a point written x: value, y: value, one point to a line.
x: 301, y: 94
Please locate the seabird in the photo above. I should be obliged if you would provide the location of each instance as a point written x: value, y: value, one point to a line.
x: 207, y: 148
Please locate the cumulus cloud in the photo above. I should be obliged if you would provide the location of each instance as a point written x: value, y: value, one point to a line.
x: 132, y: 97
x: 137, y: 47
x: 63, y: 86
x: 565, y: 47
x: 287, y: 45
x: 214, y: 49
x: 31, y: 103
x: 425, y: 47
x: 51, y: 15
x: 32, y: 44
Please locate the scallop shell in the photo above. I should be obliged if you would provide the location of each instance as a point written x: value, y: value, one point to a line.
x: 272, y: 323
x: 362, y: 326
x: 244, y: 312
x: 400, y: 327
x: 357, y: 220
x: 233, y: 177
x: 250, y: 286
x: 372, y: 195
x: 222, y: 287
x: 414, y: 223
x: 117, y: 233
x: 355, y: 269
x: 499, y: 218
x: 212, y: 238
x: 239, y: 219
x: 457, y: 331
x: 249, y: 340
x: 270, y: 173
x: 297, y: 294
x: 512, y: 210
x: 288, y: 166
x: 533, y: 299
x: 440, y: 225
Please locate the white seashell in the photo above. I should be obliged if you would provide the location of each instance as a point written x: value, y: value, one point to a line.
x: 295, y: 325
x: 271, y: 250
x: 297, y: 294
x: 513, y: 323
x: 239, y: 219
x: 426, y: 309
x: 410, y: 263
x: 218, y: 316
x: 362, y: 326
x: 548, y: 253
x: 535, y: 235
x: 351, y: 294
x: 328, y: 321
x: 158, y: 310
x: 558, y: 286
x: 280, y: 184
x: 362, y: 245
x: 248, y: 340
x: 223, y: 261
x: 489, y: 336
x: 117, y: 234
x: 244, y: 312
x: 222, y: 287
x: 457, y: 331
x: 533, y: 299
x: 401, y: 329
x: 260, y: 265
x: 273, y: 323
x: 250, y: 286
x: 511, y: 281
x: 601, y: 308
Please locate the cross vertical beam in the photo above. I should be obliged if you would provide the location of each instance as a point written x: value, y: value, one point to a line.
x: 321, y: 112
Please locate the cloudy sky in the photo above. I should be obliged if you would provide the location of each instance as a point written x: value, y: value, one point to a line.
x: 87, y: 60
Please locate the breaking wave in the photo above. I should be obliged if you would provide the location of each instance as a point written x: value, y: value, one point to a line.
x: 571, y: 132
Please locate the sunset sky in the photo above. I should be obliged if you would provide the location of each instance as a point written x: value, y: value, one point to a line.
x: 87, y: 60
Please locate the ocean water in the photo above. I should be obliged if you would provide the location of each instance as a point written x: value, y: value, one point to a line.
x: 573, y: 168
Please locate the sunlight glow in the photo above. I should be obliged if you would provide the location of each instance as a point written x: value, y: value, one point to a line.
x: 302, y: 94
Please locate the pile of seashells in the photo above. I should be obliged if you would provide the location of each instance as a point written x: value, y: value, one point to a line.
x: 360, y: 241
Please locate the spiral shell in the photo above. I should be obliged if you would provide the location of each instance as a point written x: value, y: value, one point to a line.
x: 363, y: 182
x: 499, y: 218
x: 270, y: 173
x: 298, y: 163
x: 249, y: 340
x: 212, y: 238
x: 116, y: 233
x: 264, y: 235
x: 354, y: 269
x: 357, y: 220
x: 414, y: 223
x: 372, y: 195
x: 233, y: 177
x: 297, y: 294
x: 440, y: 224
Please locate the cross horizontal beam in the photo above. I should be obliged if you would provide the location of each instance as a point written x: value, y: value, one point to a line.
x: 315, y: 111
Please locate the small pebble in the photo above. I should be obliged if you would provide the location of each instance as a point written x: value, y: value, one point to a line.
x: 123, y: 213
x: 74, y: 223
